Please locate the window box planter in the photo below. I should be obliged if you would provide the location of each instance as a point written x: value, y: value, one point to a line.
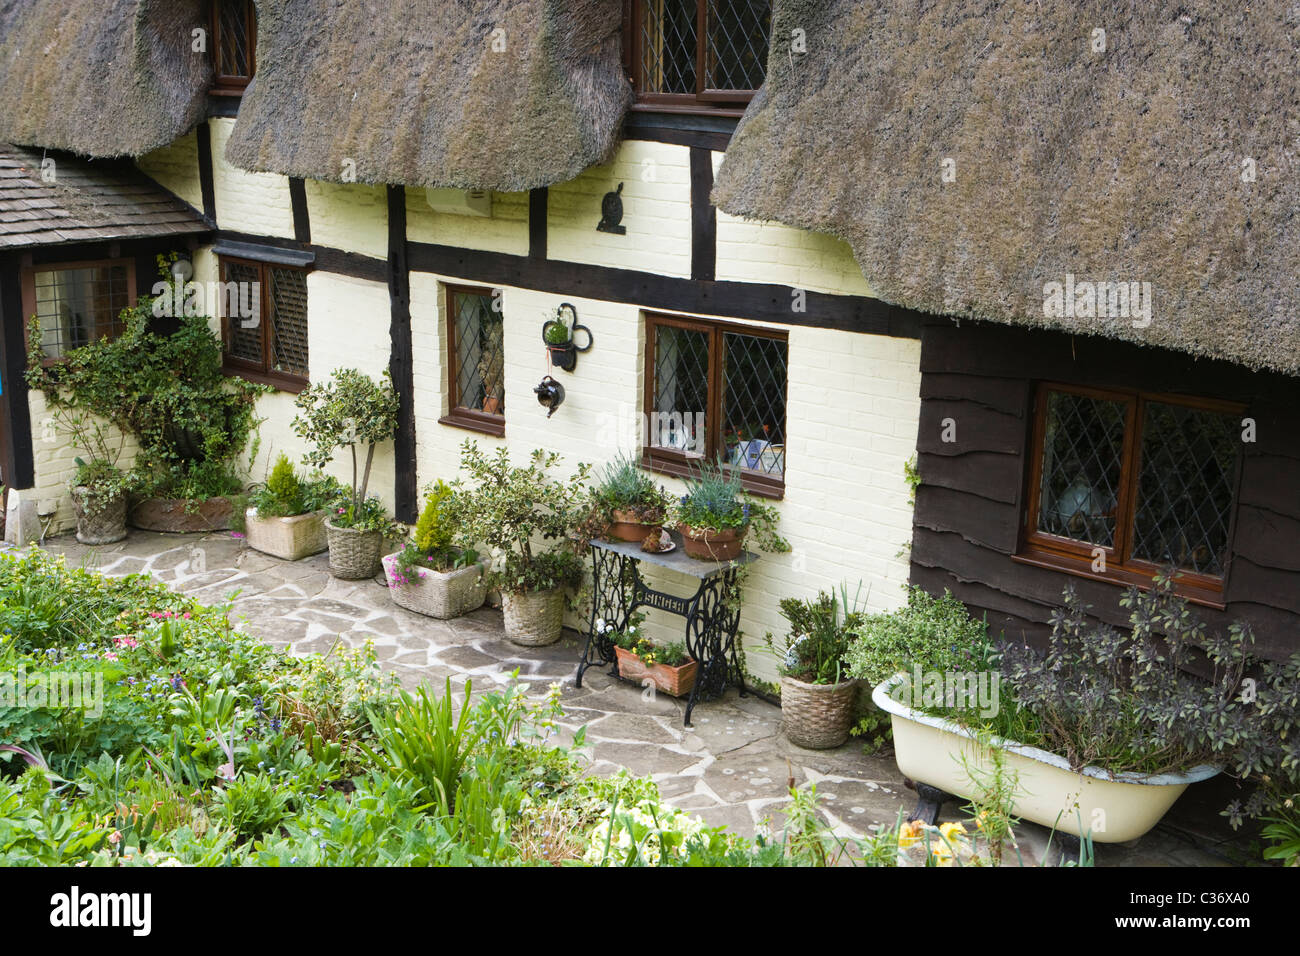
x: 930, y: 750
x: 440, y: 594
x: 674, y: 681
x: 104, y: 522
x: 290, y: 539
x: 354, y: 554
x: 713, y: 545
x: 533, y: 618
x: 179, y: 516
x: 817, y: 716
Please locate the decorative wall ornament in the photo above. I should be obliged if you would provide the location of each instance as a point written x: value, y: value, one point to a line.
x: 611, y: 213
x: 560, y: 334
x: 550, y: 395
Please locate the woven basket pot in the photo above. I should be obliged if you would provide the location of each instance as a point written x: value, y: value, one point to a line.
x: 713, y: 545
x: 817, y: 716
x: 353, y: 554
x: 626, y: 526
x: 533, y: 618
x: 290, y: 539
x: 440, y: 594
x: 106, y: 520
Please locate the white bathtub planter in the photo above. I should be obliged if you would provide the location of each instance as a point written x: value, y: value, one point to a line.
x: 439, y: 594
x: 1113, y: 808
x: 291, y: 539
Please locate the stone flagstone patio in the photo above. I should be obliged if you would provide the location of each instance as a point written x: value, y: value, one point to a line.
x: 731, y: 768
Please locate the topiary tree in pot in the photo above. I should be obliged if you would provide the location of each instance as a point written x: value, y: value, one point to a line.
x: 524, y: 516
x: 431, y: 575
x: 348, y: 411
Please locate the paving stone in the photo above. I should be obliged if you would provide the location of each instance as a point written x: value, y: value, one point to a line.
x: 465, y: 658
x: 633, y: 727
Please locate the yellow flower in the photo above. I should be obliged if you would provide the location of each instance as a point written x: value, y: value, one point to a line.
x: 952, y: 831
x: 909, y: 834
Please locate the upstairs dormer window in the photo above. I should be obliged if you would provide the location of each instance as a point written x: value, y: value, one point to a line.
x: 234, y: 44
x: 698, y: 54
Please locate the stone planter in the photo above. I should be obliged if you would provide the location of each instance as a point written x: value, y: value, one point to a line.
x: 713, y: 545
x: 179, y: 516
x: 943, y: 754
x: 290, y: 539
x: 99, y: 521
x: 354, y: 554
x: 817, y: 716
x: 628, y: 526
x: 533, y: 618
x: 674, y: 681
x: 440, y: 594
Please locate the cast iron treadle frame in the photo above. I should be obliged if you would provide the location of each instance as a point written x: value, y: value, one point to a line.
x: 711, y: 621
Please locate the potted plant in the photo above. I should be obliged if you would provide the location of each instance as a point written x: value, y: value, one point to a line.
x: 558, y: 336
x: 715, y: 514
x: 99, y: 488
x: 430, y: 575
x: 668, y: 666
x: 627, y: 502
x: 817, y: 692
x: 1106, y: 729
x: 350, y: 409
x: 524, y: 517
x: 285, y: 517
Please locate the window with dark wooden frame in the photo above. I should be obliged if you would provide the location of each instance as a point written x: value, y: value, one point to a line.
x: 475, y: 360
x: 716, y: 390
x: 697, y: 54
x: 263, y: 310
x: 77, y: 302
x: 1125, y: 484
x: 233, y: 46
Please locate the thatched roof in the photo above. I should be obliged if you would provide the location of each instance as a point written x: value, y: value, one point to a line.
x: 83, y: 201
x: 417, y: 93
x: 100, y: 77
x: 1129, y: 164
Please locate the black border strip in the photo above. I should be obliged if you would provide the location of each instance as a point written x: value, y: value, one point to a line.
x: 401, y: 362
x: 328, y: 259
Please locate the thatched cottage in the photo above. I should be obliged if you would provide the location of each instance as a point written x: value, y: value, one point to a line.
x: 1043, y: 249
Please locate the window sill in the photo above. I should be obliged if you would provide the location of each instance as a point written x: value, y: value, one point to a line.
x: 292, y: 384
x: 1193, y: 590
x: 728, y: 110
x: 471, y: 420
x: 758, y: 485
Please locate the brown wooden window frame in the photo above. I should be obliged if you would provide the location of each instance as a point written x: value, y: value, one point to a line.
x: 1045, y: 550
x: 28, y: 282
x: 458, y: 416
x: 263, y: 372
x: 670, y: 461
x: 224, y: 84
x: 704, y: 100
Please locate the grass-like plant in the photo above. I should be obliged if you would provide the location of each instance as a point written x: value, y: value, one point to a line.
x: 716, y: 501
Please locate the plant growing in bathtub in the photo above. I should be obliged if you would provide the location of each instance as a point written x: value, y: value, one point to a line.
x: 525, y: 517
x: 715, y: 514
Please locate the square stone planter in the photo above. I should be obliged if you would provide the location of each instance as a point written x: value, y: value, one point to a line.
x: 674, y: 681
x: 291, y: 539
x: 440, y: 594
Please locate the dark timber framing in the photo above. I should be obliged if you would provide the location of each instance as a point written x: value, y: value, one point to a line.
x: 537, y: 206
x: 704, y: 217
x: 19, y: 464
x: 298, y: 199
x: 207, y: 182
x: 401, y: 363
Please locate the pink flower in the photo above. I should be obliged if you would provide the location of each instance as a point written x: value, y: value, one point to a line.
x: 235, y: 534
x: 110, y: 656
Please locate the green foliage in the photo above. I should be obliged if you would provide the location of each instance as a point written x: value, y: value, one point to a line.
x: 283, y: 495
x: 1283, y: 835
x: 934, y: 634
x: 515, y: 511
x: 815, y: 647
x: 715, y: 500
x: 913, y: 475
x: 168, y: 392
x: 252, y: 804
x: 624, y: 486
x: 433, y: 543
x: 631, y: 639
x: 557, y: 333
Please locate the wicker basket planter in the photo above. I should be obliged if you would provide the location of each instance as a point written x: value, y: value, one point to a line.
x: 104, y: 523
x: 674, y: 681
x: 628, y: 526
x: 291, y: 539
x: 817, y: 716
x: 353, y: 554
x: 440, y: 594
x: 179, y: 516
x: 713, y: 545
x: 533, y: 618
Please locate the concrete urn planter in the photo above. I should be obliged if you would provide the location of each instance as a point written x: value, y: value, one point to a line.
x: 533, y: 618
x: 99, y: 521
x: 1113, y: 808
x: 439, y: 594
x: 290, y: 539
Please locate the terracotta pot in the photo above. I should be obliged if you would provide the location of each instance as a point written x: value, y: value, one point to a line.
x: 817, y: 716
x: 354, y: 554
x: 178, y: 516
x: 674, y: 681
x: 290, y: 539
x: 440, y: 594
x: 713, y: 545
x: 627, y: 526
x: 103, y: 522
x: 533, y: 618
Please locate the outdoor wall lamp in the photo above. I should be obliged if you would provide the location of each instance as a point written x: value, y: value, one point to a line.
x: 550, y: 395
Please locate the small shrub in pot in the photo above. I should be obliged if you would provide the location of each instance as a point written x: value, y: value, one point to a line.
x: 715, y: 515
x: 627, y: 501
x: 430, y: 575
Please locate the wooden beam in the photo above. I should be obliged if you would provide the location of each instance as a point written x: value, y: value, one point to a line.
x: 401, y: 363
x: 207, y: 182
x: 298, y: 199
x: 18, y: 459
x: 704, y: 217
x: 537, y: 207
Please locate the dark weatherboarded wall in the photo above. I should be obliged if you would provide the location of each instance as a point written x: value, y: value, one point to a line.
x: 970, y: 505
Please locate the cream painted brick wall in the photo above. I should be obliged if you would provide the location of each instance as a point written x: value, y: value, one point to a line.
x: 256, y: 203
x: 176, y: 167
x: 348, y: 216
x: 506, y: 230
x: 656, y: 180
